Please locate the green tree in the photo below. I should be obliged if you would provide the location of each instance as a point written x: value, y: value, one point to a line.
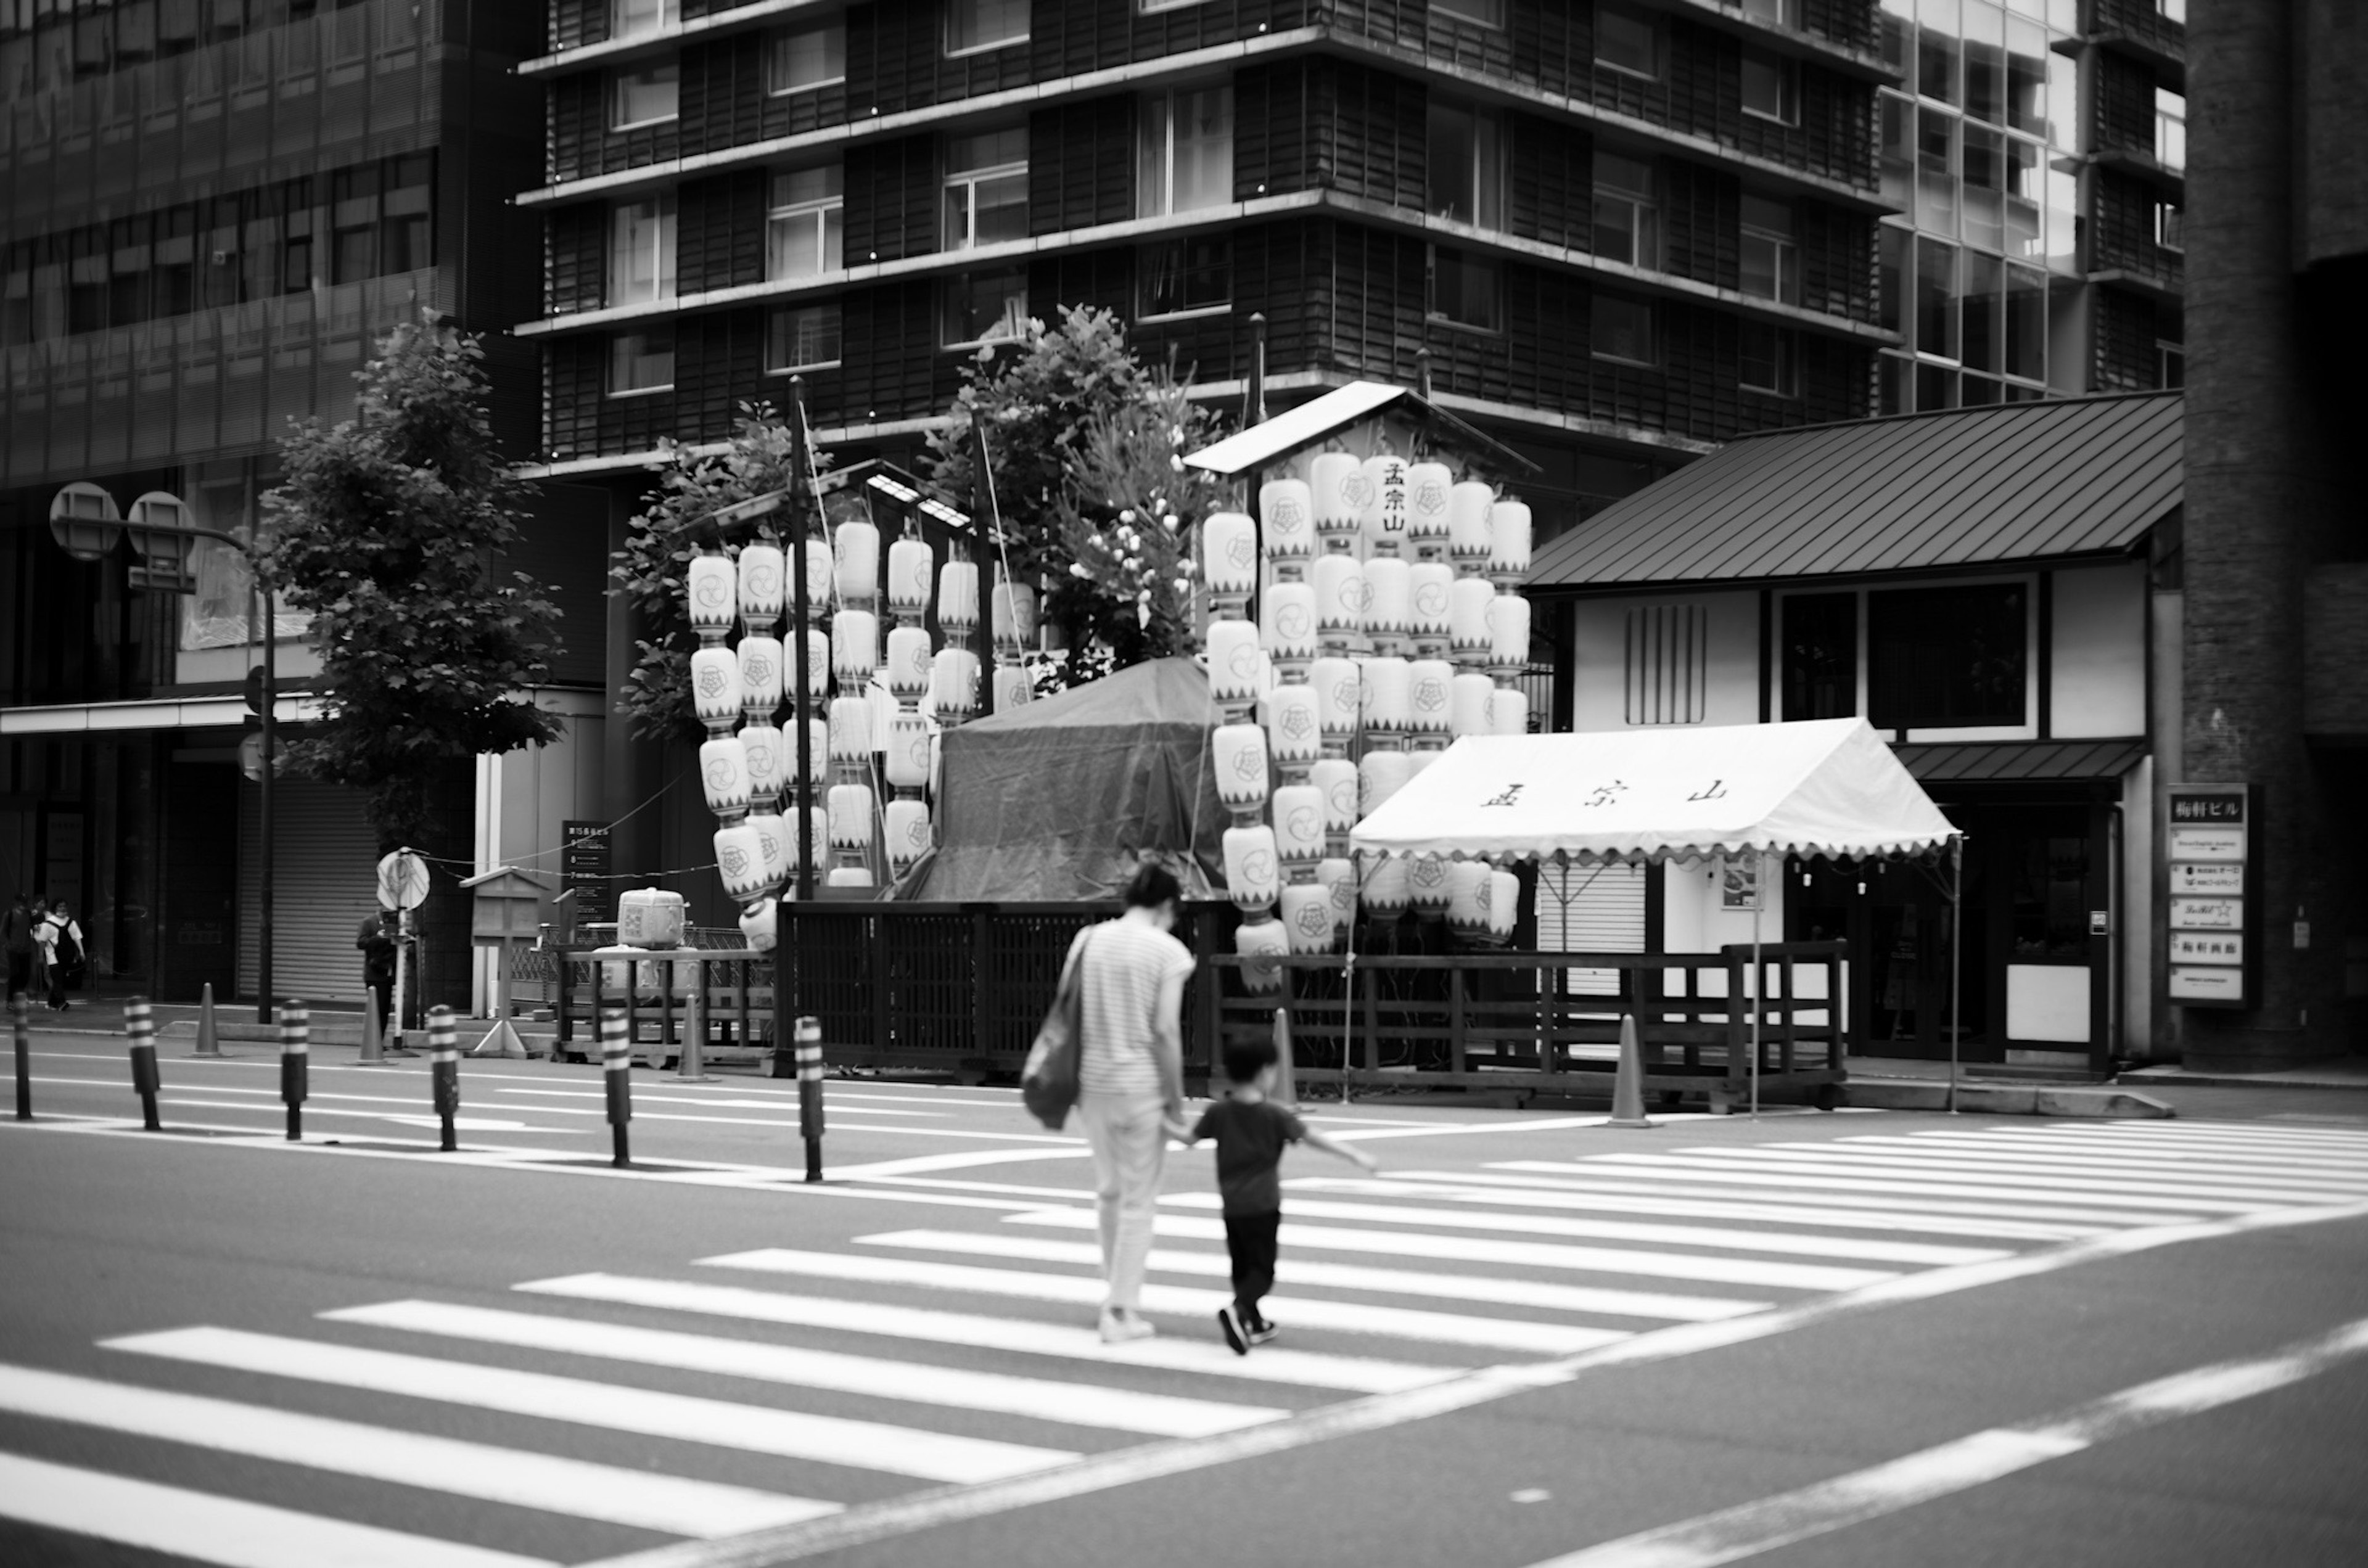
x: 388, y: 532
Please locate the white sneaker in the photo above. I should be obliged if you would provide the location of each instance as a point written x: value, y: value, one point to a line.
x: 1119, y: 1326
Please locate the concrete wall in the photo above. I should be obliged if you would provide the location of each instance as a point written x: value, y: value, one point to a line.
x: 1598, y: 679
x: 2097, y: 680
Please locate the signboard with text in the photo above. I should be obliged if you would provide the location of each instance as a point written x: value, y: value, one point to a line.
x: 2211, y: 854
x: 584, y: 868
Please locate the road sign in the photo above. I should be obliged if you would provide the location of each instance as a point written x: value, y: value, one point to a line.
x: 2213, y: 869
x: 402, y: 881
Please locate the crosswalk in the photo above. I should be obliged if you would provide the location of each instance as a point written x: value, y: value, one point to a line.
x: 587, y: 1416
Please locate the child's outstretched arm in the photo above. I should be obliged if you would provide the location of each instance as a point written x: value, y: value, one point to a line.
x: 1349, y: 1153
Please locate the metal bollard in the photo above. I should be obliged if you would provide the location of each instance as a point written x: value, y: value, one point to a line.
x: 444, y: 1070
x: 295, y: 1063
x: 140, y: 1028
x: 617, y: 1062
x: 810, y: 1093
x: 21, y: 1015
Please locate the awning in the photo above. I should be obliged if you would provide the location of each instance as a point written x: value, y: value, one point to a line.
x: 1823, y: 787
x: 2060, y: 478
x: 2020, y: 762
x: 1295, y: 428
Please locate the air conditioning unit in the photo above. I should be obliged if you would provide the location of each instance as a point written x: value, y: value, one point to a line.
x: 220, y: 257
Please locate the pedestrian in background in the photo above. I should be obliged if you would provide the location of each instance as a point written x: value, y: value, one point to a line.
x: 1131, y: 1077
x: 17, y: 934
x: 376, y: 940
x: 60, y: 940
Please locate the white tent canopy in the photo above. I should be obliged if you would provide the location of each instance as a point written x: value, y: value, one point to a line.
x: 1825, y: 787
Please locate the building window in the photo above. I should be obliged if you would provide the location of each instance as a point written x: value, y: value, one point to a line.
x: 1936, y: 299
x: 1820, y: 661
x: 641, y: 361
x: 1628, y: 39
x: 1487, y: 13
x: 986, y: 189
x: 2171, y: 10
x: 986, y: 307
x: 406, y: 237
x: 1627, y: 220
x: 985, y: 23
x: 2170, y: 225
x: 1621, y: 328
x: 1187, y: 275
x: 1946, y: 658
x: 802, y: 337
x: 804, y: 219
x: 631, y: 17
x: 1668, y: 665
x: 1772, y: 87
x: 353, y: 224
x: 2171, y: 364
x: 1771, y: 359
x: 1467, y: 167
x: 1465, y: 289
x: 1782, y: 13
x: 641, y: 251
x: 1770, y: 262
x: 800, y: 62
x: 1184, y: 159
x: 645, y: 97
x: 2170, y: 128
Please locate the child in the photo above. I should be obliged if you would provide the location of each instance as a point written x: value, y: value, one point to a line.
x: 1250, y: 1132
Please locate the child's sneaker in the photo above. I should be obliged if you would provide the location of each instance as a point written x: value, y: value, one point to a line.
x: 1121, y: 1327
x: 1260, y: 1331
x: 1235, y: 1335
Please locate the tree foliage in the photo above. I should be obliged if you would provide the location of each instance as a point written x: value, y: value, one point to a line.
x: 388, y: 531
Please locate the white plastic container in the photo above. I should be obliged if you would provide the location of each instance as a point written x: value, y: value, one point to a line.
x: 649, y: 917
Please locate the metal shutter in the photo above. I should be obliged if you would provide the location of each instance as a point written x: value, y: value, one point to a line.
x: 325, y: 881
x: 1591, y: 909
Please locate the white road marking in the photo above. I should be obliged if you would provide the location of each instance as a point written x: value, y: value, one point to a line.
x: 826, y: 1439
x: 1735, y: 1173
x: 1840, y: 1161
x: 842, y: 1122
x: 1400, y: 1322
x: 1770, y: 1523
x: 1043, y: 1399
x: 961, y: 1162
x: 1347, y: 1277
x: 1572, y: 1176
x: 643, y: 1095
x: 1757, y: 1273
x: 218, y: 1529
x: 2274, y: 1149
x: 515, y: 1476
x: 2035, y: 1154
x: 1272, y: 1364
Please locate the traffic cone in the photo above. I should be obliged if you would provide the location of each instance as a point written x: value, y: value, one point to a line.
x: 1284, y: 1089
x: 209, y: 1041
x: 374, y: 1048
x: 1628, y: 1084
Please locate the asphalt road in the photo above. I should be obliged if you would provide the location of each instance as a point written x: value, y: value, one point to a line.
x: 1862, y: 1338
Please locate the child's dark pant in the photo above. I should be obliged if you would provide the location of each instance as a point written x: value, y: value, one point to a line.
x: 1250, y: 1242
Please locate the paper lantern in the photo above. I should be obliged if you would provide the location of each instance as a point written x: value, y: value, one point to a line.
x: 817, y: 752
x: 723, y: 775
x: 1261, y: 943
x: 763, y: 584
x: 1384, y: 887
x: 817, y: 847
x: 760, y: 926
x: 1380, y: 774
x: 1336, y: 777
x: 1429, y: 584
x: 1253, y: 870
x: 712, y: 592
x: 1509, y: 538
x: 857, y: 568
x: 1468, y: 505
x: 908, y: 577
x: 1504, y: 902
x: 1287, y: 625
x: 1427, y: 884
x: 1467, y: 705
x: 1509, y: 711
x: 716, y: 685
x: 953, y: 684
x: 818, y: 663
x: 1293, y: 733
x: 1233, y: 661
x: 851, y: 816
x: 740, y: 858
x: 1340, y: 596
x: 1338, y: 695
x: 773, y: 837
x: 1385, y: 519
x: 850, y: 730
x: 1468, y: 599
x: 1419, y: 762
x: 820, y: 574
x: 1389, y: 597
x: 1013, y: 687
x: 762, y: 670
x: 1229, y: 552
x: 907, y: 669
x: 1015, y: 613
x: 907, y: 752
x: 1388, y: 693
x: 1467, y: 896
x: 1334, y: 488
x: 848, y: 877
x: 854, y: 645
x: 1427, y: 701
x: 1287, y: 509
x: 1298, y: 823
x: 1508, y: 630
x: 1338, y: 877
x: 1426, y: 490
x: 1240, y: 754
x: 958, y: 597
x: 765, y: 749
x: 884, y: 709
x: 1306, y: 912
x: 904, y: 833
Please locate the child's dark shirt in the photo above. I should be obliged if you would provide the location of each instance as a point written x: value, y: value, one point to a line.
x: 1250, y: 1135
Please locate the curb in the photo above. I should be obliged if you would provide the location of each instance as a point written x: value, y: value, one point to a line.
x: 2001, y: 1099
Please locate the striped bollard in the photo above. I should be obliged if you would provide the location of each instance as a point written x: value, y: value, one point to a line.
x: 809, y: 1037
x: 295, y: 1063
x: 444, y: 1070
x: 21, y: 1015
x: 617, y: 1062
x: 140, y: 1028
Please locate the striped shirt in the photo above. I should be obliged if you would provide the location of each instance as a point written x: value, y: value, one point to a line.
x: 1123, y: 964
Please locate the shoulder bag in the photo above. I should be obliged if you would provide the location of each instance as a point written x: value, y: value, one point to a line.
x: 1048, y: 1084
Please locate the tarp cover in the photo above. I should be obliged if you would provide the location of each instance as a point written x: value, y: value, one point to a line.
x: 1054, y: 801
x: 1824, y: 787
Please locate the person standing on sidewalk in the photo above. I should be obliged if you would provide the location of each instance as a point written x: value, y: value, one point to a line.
x: 376, y: 939
x: 1130, y: 971
x: 17, y: 934
x: 61, y: 943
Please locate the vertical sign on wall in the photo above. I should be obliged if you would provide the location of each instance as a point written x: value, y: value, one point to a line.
x: 584, y: 868
x: 2213, y: 874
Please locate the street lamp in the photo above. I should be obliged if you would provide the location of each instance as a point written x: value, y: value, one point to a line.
x: 87, y: 525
